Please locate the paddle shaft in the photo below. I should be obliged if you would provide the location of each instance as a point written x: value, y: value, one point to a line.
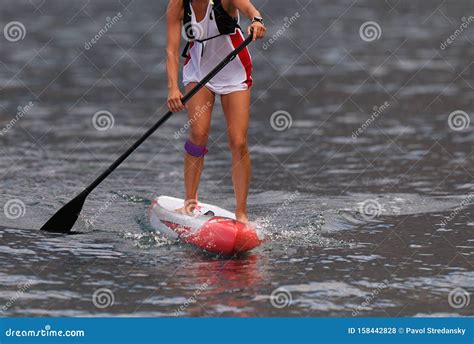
x: 166, y: 116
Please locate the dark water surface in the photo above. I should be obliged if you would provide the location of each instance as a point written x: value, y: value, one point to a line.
x: 375, y: 222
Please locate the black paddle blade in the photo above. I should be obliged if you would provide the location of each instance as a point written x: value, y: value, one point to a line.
x: 66, y: 217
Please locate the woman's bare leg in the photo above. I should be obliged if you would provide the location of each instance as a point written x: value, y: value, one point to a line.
x: 236, y: 108
x: 199, y: 116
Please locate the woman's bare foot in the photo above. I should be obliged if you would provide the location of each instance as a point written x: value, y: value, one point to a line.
x: 183, y: 211
x: 189, y: 207
x: 242, y: 218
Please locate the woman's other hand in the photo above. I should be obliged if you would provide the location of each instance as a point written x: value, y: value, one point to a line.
x: 259, y: 30
x: 174, y: 100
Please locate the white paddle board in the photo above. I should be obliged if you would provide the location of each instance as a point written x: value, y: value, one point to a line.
x: 210, y: 228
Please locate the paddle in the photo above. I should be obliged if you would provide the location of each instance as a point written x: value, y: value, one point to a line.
x: 66, y: 217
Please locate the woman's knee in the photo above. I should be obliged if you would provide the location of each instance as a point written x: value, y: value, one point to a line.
x: 199, y: 138
x: 238, y: 146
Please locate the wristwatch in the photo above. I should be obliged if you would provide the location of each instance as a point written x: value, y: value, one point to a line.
x: 257, y: 19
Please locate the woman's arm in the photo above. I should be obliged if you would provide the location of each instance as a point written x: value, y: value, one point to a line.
x: 173, y: 16
x: 246, y: 7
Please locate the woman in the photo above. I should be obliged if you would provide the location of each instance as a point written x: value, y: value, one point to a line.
x: 212, y: 30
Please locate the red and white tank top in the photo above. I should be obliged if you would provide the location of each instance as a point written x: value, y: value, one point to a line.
x: 203, y: 57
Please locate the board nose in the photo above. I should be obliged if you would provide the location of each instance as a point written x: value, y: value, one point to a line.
x: 217, y: 235
x: 225, y: 236
x: 246, y: 238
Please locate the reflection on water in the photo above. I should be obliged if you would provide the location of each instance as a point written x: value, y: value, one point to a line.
x: 368, y: 208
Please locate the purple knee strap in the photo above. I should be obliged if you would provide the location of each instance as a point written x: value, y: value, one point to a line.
x: 194, y: 150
